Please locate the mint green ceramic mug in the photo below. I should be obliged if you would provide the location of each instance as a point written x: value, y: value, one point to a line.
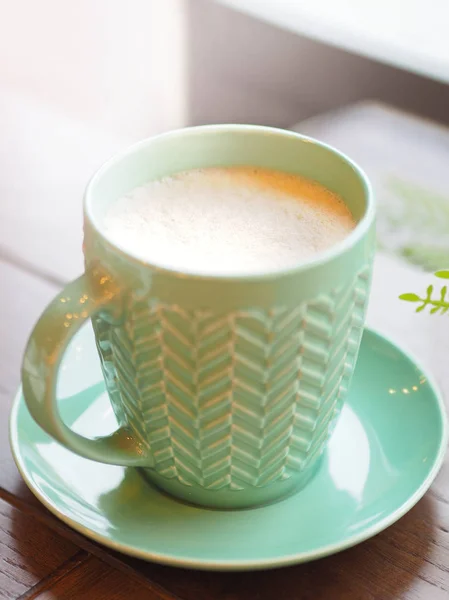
x: 225, y: 389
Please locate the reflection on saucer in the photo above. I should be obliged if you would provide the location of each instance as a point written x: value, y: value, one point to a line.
x: 349, y: 454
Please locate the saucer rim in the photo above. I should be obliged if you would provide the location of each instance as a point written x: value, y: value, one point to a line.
x: 255, y: 564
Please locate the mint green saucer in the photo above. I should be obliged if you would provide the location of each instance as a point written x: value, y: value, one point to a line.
x: 384, y: 454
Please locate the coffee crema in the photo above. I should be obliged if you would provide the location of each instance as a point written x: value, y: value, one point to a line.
x: 230, y: 220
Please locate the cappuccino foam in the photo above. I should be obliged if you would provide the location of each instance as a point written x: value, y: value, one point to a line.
x: 231, y: 220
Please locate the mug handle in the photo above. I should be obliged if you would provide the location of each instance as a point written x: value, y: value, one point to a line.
x: 79, y: 301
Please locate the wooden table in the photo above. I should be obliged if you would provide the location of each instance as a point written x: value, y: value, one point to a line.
x: 45, y: 161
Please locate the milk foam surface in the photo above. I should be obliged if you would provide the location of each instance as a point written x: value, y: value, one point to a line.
x: 228, y: 220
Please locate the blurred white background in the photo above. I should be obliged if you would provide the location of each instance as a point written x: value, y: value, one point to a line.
x: 133, y: 68
x: 118, y: 65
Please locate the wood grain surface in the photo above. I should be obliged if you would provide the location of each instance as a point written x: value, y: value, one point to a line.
x: 29, y: 552
x: 93, y: 579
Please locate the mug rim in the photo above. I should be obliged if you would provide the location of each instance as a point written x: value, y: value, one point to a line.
x: 322, y: 258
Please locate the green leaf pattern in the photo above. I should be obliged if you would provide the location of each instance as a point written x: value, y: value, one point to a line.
x: 436, y: 305
x: 414, y: 224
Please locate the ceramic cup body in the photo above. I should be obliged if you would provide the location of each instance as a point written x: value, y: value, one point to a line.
x: 225, y: 388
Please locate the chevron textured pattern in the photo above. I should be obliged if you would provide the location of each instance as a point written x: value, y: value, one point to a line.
x: 103, y: 335
x: 236, y: 399
x: 333, y: 328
